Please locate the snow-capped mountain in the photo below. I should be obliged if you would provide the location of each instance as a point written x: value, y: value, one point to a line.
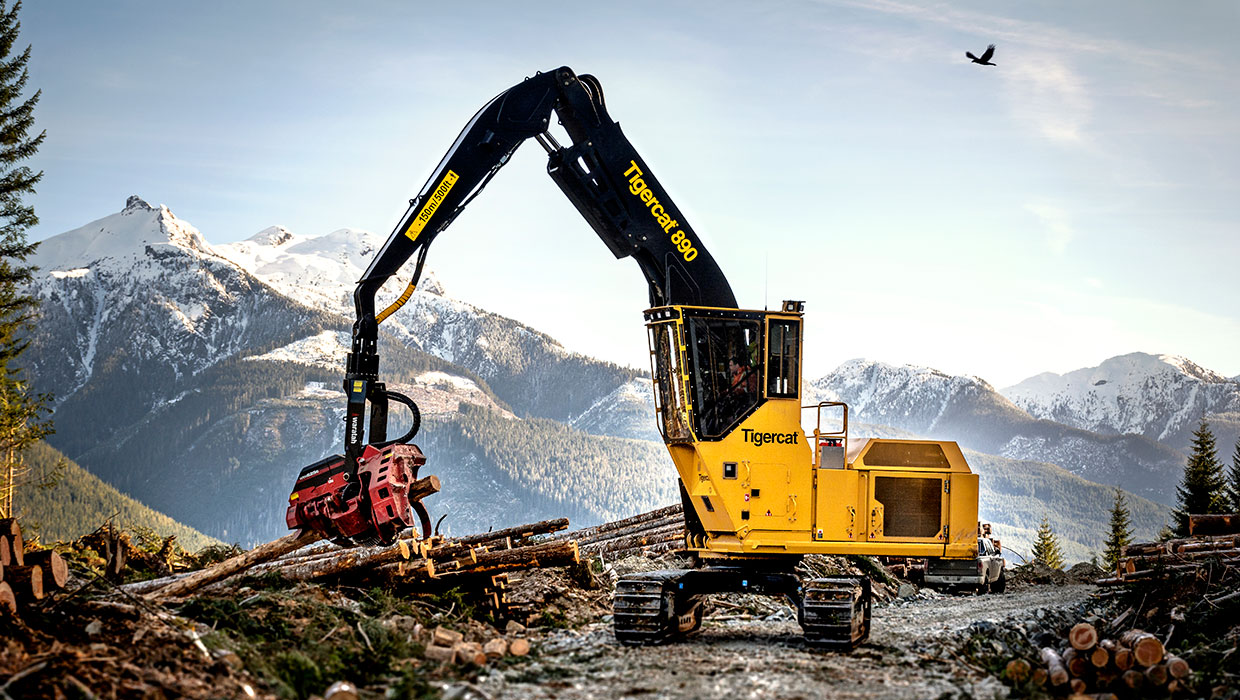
x: 969, y: 410
x: 627, y: 412
x: 521, y: 364
x: 178, y: 371
x: 1162, y: 397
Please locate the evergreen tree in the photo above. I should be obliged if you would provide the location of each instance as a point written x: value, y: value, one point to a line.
x: 1046, y: 549
x: 22, y: 413
x: 1121, y: 531
x: 1203, y: 489
x: 1234, y: 478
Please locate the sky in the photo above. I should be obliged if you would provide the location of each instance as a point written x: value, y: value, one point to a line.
x: 1077, y: 201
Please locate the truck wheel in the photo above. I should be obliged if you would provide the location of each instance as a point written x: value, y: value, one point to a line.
x: 1000, y: 584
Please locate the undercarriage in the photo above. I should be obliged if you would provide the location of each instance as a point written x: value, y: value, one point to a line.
x: 658, y: 607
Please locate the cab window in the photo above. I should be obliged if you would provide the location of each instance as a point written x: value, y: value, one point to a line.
x: 668, y: 384
x: 725, y: 361
x: 782, y: 366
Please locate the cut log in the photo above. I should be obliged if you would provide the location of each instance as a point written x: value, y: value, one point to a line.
x: 496, y: 648
x: 444, y: 637
x: 144, y: 587
x: 1177, y: 667
x: 1078, y: 686
x: 660, y: 513
x: 7, y: 599
x: 1017, y: 670
x: 441, y: 654
x: 1075, y: 662
x: 470, y: 653
x: 55, y: 571
x: 6, y: 557
x: 26, y: 581
x: 1225, y: 524
x: 1083, y: 636
x: 1099, y: 657
x: 640, y: 539
x: 518, y: 532
x: 11, y: 532
x: 1134, y: 679
x: 1058, y: 674
x: 676, y: 521
x: 519, y: 647
x: 1146, y: 649
x: 1038, y: 677
x: 1157, y: 675
x: 536, y: 556
x: 241, y: 562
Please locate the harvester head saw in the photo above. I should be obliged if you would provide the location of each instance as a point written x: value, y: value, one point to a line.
x: 363, y: 497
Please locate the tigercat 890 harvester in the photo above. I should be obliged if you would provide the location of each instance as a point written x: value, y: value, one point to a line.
x: 759, y: 491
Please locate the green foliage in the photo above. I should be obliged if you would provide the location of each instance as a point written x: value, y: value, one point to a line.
x: 1233, y: 478
x: 1016, y: 495
x: 584, y: 477
x: 1121, y: 531
x: 23, y: 412
x: 79, y: 502
x: 1046, y: 549
x: 1203, y: 489
x: 299, y: 643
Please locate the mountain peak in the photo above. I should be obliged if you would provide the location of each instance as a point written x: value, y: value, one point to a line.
x: 1159, y: 396
x: 126, y: 235
x: 274, y: 236
x: 136, y: 203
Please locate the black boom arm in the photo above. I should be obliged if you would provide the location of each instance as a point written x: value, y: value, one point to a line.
x: 601, y: 174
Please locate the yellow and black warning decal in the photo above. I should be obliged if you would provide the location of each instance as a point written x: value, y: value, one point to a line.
x: 432, y: 203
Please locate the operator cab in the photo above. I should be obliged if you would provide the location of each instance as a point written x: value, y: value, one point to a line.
x: 713, y: 368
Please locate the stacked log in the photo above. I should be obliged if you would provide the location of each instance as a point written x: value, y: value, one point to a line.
x: 1148, y: 561
x: 1133, y: 664
x: 657, y: 531
x: 27, y: 577
x: 300, y: 557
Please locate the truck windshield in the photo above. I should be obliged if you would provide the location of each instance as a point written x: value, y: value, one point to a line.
x: 725, y: 368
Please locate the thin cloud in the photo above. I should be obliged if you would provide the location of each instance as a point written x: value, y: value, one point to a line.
x: 1056, y: 223
x: 1048, y: 96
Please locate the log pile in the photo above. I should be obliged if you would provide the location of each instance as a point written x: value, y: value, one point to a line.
x: 27, y: 577
x: 1148, y: 561
x: 480, y: 561
x: 655, y: 532
x: 448, y: 646
x: 1135, y: 664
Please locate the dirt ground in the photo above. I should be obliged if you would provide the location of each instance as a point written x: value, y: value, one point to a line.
x: 908, y: 656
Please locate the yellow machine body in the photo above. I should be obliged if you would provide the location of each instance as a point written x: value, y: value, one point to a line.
x: 728, y: 402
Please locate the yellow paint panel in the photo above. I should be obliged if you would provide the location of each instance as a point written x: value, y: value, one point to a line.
x: 840, y: 496
x: 962, y: 511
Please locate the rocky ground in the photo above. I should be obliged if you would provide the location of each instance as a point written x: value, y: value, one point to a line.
x: 910, y: 655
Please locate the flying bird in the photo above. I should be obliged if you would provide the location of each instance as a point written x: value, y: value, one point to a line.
x: 985, y: 59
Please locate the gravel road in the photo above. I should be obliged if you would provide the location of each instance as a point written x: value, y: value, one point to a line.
x: 735, y: 659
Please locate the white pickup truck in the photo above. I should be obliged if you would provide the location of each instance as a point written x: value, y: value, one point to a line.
x: 986, y: 573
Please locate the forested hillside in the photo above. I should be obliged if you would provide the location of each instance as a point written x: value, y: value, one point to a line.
x: 1015, y: 495
x: 79, y: 502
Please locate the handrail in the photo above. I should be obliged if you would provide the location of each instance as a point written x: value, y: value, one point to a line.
x: 818, y: 432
